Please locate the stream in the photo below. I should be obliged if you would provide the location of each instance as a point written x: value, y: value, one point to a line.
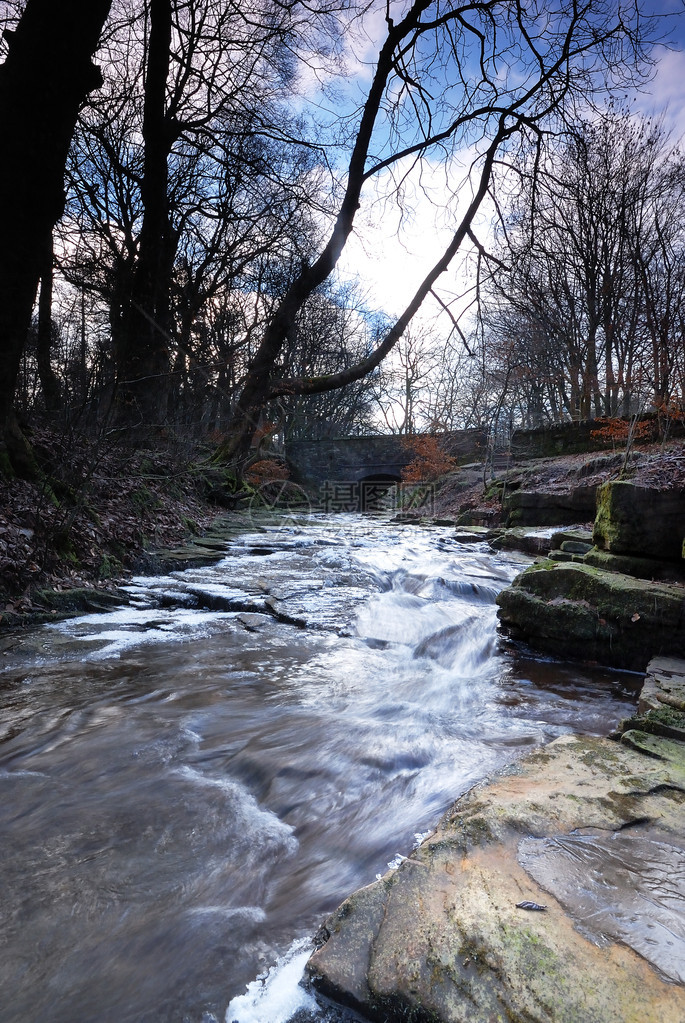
x: 191, y: 782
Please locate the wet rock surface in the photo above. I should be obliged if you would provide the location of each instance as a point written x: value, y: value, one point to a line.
x: 590, y: 829
x: 537, y: 508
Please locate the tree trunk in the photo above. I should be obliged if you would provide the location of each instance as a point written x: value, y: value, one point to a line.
x: 46, y: 77
x: 52, y: 394
x: 143, y: 356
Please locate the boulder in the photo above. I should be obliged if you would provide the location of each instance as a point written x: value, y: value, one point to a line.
x: 533, y: 900
x: 575, y: 546
x: 475, y: 534
x: 583, y: 536
x: 579, y: 612
x: 640, y: 521
x: 664, y: 686
x: 537, y: 508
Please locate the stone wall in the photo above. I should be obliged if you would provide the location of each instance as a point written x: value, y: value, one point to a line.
x: 352, y: 459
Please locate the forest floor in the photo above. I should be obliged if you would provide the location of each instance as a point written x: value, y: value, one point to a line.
x: 94, y: 520
x: 107, y: 508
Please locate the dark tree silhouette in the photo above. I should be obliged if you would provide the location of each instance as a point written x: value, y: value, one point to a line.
x: 144, y: 356
x: 46, y: 76
x: 49, y: 381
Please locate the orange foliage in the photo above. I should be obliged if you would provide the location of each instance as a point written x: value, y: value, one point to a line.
x: 265, y: 430
x: 266, y: 471
x: 430, y: 460
x: 620, y: 431
x: 673, y: 409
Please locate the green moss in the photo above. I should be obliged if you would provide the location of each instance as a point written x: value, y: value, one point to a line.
x: 190, y: 525
x: 665, y: 721
x: 109, y: 567
x: 667, y: 716
x: 63, y: 546
x: 494, y: 490
x: 78, y: 599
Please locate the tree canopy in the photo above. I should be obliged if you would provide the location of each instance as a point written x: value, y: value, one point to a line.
x: 228, y: 153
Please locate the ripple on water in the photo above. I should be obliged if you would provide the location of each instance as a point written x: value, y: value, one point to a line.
x: 189, y: 790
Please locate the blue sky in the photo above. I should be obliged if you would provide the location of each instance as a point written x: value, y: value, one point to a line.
x: 392, y: 265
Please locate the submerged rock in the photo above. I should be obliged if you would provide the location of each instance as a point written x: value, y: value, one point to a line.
x: 446, y: 937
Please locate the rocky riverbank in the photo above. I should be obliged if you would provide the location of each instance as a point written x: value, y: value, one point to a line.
x: 620, y: 600
x: 553, y: 892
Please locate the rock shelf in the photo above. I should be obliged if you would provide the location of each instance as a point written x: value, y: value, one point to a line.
x: 591, y: 829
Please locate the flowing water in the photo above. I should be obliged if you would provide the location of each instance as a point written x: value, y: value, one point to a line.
x: 190, y: 783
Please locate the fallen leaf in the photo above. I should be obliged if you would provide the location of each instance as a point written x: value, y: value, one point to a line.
x: 635, y: 618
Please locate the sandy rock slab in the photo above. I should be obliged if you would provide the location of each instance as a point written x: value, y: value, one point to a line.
x: 591, y: 829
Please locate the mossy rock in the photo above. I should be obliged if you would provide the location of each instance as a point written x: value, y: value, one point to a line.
x: 632, y: 564
x: 537, y: 508
x: 663, y: 721
x: 640, y: 521
x: 579, y: 535
x: 78, y: 599
x: 582, y: 613
x: 565, y: 556
x: 521, y: 540
x: 575, y: 547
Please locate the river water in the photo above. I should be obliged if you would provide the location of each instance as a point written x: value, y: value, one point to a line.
x: 190, y: 783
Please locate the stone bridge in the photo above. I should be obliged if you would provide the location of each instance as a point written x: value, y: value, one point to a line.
x: 367, y: 459
x: 381, y: 458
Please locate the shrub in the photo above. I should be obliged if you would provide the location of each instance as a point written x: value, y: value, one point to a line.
x: 267, y: 470
x: 617, y: 431
x: 430, y: 460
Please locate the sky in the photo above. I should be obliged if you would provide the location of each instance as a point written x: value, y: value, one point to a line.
x: 393, y: 258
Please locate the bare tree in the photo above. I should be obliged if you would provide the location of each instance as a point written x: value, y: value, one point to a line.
x: 331, y: 331
x: 478, y: 75
x: 405, y: 381
x: 49, y: 382
x: 588, y: 307
x: 186, y: 178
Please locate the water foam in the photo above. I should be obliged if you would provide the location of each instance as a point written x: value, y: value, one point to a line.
x: 277, y: 996
x: 266, y: 828
x: 128, y: 627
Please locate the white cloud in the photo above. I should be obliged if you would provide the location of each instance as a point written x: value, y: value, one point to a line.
x: 396, y: 243
x: 665, y: 94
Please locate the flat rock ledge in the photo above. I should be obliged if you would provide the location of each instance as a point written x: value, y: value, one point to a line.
x: 591, y: 829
